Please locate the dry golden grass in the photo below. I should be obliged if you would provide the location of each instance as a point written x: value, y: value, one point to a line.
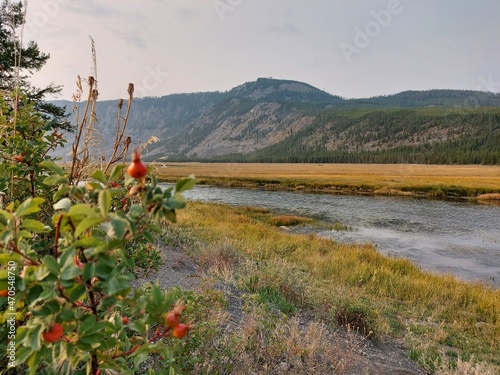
x: 489, y: 197
x: 435, y: 314
x: 461, y: 179
x: 288, y: 220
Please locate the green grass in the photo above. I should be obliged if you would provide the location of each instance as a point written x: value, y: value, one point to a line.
x: 447, y: 323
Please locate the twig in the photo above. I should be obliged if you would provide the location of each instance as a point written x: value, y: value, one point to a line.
x: 76, y: 164
x: 120, y: 130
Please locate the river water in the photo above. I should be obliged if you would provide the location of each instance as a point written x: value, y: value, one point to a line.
x: 455, y: 237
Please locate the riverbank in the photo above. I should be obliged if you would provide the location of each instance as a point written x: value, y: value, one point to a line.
x: 446, y: 323
x: 435, y: 181
x: 238, y: 332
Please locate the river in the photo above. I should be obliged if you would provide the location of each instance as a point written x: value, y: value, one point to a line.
x: 454, y: 237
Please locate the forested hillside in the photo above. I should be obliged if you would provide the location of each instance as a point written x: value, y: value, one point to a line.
x: 273, y: 120
x: 429, y: 136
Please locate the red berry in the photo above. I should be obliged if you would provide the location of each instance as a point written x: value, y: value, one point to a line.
x: 123, y: 201
x: 4, y: 293
x: 19, y: 158
x: 136, y: 169
x: 180, y: 330
x: 54, y: 333
x: 172, y: 319
x: 125, y: 320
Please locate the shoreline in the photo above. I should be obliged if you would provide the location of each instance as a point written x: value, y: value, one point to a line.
x: 483, y: 198
x: 471, y: 183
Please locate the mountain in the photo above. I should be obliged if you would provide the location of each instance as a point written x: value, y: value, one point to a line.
x: 283, y: 120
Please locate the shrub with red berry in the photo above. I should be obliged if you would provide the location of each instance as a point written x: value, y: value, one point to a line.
x: 24, y: 144
x: 75, y: 308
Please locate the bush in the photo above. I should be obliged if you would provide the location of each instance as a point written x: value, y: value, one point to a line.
x: 68, y: 255
x: 82, y: 283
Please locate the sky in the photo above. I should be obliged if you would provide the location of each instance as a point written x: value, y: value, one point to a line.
x: 351, y: 48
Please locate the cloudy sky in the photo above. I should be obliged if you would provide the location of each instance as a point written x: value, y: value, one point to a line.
x: 352, y: 48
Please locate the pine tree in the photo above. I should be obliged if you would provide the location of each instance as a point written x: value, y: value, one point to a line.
x: 18, y: 62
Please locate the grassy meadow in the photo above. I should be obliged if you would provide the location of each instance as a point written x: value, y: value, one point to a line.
x: 388, y: 179
x: 449, y: 326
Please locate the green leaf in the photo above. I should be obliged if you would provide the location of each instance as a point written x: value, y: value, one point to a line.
x: 178, y: 201
x: 47, y: 164
x: 68, y: 315
x: 118, y: 284
x: 99, y: 176
x: 87, y: 242
x: 35, y: 338
x: 51, y: 264
x: 63, y: 189
x: 67, y: 257
x: 168, y: 214
x: 117, y: 191
x: 93, y: 186
x: 64, y: 204
x: 169, y: 299
x: 140, y: 356
x: 167, y: 193
x: 94, y: 339
x: 87, y: 325
x: 47, y: 294
x: 88, y: 271
x: 5, y: 258
x: 24, y: 234
x: 138, y: 326
x: 55, y: 180
x: 33, y: 362
x: 86, y: 224
x: 156, y: 295
x: 117, y: 228
x: 103, y: 271
x: 104, y: 202
x: 154, y: 180
x: 70, y: 272
x: 155, y: 228
x: 116, y: 172
x: 33, y: 225
x: 34, y: 294
x: 22, y: 354
x: 101, y: 327
x: 129, y: 180
x: 41, y: 273
x: 4, y: 216
x: 29, y: 206
x: 136, y: 211
x: 77, y: 292
x: 82, y: 209
x: 185, y: 184
x: 149, y: 237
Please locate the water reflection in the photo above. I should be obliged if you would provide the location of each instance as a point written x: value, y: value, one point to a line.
x: 446, y: 236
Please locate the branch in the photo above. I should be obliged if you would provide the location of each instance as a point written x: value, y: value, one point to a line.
x: 120, y: 130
